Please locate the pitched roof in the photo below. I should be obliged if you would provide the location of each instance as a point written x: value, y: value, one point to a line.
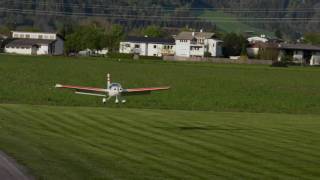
x: 28, y: 42
x: 299, y: 47
x: 149, y: 40
x: 189, y: 35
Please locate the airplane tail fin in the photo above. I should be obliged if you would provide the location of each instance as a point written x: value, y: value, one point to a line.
x: 108, y: 80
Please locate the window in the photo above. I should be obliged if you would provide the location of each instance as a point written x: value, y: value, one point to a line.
x: 155, y: 46
x: 127, y: 45
x: 27, y: 35
x: 154, y: 55
x: 40, y: 37
x: 21, y: 35
x: 15, y: 35
x: 136, y: 46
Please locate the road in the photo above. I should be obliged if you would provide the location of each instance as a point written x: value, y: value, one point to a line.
x: 10, y: 170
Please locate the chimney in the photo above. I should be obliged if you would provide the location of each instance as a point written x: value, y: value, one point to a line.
x: 201, y: 30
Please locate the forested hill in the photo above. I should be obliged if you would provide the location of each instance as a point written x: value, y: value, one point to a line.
x: 290, y: 16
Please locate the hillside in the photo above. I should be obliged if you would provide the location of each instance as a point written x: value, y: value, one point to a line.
x: 101, y: 143
x: 52, y: 15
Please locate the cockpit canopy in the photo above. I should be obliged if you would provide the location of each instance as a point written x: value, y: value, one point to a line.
x: 115, y: 87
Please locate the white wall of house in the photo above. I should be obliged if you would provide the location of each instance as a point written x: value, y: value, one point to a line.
x: 186, y: 48
x: 253, y: 51
x: 298, y: 55
x: 214, y: 47
x: 146, y: 49
x: 15, y: 50
x: 183, y: 48
x: 132, y: 47
x: 43, y: 50
x: 154, y: 49
x: 197, y: 51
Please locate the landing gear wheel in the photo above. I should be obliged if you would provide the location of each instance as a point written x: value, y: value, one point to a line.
x: 104, y: 100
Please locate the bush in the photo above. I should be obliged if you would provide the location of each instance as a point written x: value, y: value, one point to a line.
x: 120, y: 55
x: 207, y: 54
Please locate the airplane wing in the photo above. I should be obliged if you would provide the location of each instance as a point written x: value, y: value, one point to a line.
x: 138, y: 91
x: 85, y: 90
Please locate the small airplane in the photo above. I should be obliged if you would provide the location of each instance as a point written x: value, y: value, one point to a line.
x: 112, y: 90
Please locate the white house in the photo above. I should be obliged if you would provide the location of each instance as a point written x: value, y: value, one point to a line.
x: 300, y: 53
x: 196, y: 44
x: 147, y: 46
x: 35, y: 43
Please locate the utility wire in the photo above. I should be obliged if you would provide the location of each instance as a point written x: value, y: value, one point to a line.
x: 104, y: 7
x: 158, y: 18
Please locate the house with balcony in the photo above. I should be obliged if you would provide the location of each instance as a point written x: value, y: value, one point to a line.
x: 198, y: 45
x: 147, y: 46
x: 35, y: 43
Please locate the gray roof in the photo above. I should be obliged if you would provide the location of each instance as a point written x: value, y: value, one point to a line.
x: 299, y: 47
x: 198, y: 35
x: 26, y: 43
x: 150, y: 40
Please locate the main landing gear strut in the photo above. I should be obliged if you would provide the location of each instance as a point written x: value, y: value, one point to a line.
x: 104, y: 100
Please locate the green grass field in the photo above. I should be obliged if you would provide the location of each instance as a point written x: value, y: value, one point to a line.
x: 217, y: 122
x: 103, y: 143
x: 195, y: 86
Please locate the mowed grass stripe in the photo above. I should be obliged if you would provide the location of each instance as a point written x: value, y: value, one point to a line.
x: 206, y: 150
x: 141, y: 135
x: 109, y: 135
x: 132, y: 143
x: 116, y: 148
x: 268, y: 160
x: 112, y: 150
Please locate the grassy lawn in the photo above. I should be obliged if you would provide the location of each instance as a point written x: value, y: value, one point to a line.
x: 104, y: 143
x: 234, y: 25
x: 247, y: 121
x: 195, y: 86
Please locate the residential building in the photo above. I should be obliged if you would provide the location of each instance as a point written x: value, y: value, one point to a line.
x: 147, y: 46
x: 300, y: 53
x: 256, y: 43
x: 197, y: 44
x: 35, y: 43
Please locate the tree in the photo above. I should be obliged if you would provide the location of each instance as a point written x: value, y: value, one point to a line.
x: 312, y: 38
x: 234, y: 45
x: 278, y: 34
x: 154, y: 31
x: 85, y: 37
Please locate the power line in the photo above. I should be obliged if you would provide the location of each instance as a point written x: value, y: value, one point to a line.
x: 159, y: 18
x: 104, y: 7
